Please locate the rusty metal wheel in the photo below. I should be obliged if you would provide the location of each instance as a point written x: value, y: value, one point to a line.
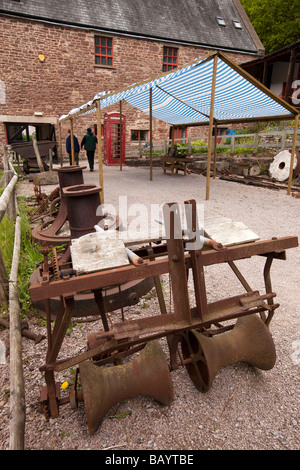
x: 55, y: 205
x: 195, y: 361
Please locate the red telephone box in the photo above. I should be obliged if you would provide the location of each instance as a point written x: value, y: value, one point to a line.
x: 112, y: 138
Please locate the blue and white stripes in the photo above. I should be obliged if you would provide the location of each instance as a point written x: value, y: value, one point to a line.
x: 184, y: 96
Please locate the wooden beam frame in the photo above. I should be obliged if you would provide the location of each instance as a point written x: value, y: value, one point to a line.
x: 211, y: 122
x: 121, y: 136
x: 151, y: 133
x: 100, y: 163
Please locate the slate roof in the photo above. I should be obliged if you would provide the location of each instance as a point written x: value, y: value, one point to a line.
x: 183, y: 21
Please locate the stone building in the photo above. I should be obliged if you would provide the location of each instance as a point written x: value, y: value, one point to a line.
x: 58, y: 55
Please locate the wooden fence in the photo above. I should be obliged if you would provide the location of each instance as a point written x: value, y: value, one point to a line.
x: 9, y: 301
x: 231, y: 144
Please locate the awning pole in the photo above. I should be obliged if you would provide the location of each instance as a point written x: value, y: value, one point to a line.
x: 100, y: 151
x: 211, y: 120
x: 72, y: 141
x: 121, y: 135
x: 60, y: 144
x: 150, y: 134
x: 215, y: 148
x: 293, y: 154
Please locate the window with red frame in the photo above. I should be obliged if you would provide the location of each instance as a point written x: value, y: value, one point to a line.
x: 170, y: 60
x: 138, y: 135
x: 103, y: 51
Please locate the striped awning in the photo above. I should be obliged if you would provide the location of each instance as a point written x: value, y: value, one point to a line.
x: 183, y: 96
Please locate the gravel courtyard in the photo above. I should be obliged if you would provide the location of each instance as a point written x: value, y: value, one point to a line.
x: 246, y: 408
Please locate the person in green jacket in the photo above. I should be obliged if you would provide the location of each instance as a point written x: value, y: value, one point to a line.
x: 89, y: 142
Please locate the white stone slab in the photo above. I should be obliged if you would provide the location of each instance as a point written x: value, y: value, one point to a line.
x: 228, y: 232
x: 144, y: 236
x: 98, y: 251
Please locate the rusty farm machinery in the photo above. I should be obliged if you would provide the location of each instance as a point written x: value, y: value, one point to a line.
x: 201, y: 336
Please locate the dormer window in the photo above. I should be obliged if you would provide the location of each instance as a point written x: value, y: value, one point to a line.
x: 237, y: 24
x: 221, y: 21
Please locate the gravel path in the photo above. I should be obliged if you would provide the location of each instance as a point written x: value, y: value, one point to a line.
x: 246, y: 408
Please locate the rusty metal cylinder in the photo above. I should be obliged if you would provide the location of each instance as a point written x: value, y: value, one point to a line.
x: 70, y: 175
x: 67, y: 176
x: 83, y: 207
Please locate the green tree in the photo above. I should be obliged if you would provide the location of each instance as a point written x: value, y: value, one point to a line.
x: 276, y: 22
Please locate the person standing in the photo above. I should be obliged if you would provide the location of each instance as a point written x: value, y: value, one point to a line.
x: 89, y: 142
x: 76, y: 148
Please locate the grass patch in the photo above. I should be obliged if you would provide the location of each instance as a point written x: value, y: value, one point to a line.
x: 29, y: 253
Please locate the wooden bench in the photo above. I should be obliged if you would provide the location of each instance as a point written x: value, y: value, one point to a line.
x: 175, y: 163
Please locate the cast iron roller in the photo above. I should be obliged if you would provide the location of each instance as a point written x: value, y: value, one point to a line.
x: 147, y: 375
x: 249, y: 341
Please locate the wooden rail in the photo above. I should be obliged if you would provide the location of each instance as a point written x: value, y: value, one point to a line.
x: 9, y: 300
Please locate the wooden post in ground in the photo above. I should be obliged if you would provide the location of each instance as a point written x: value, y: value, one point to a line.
x: 151, y: 133
x: 293, y: 154
x: 60, y: 144
x: 37, y: 154
x: 72, y: 142
x: 100, y: 163
x: 215, y: 149
x: 121, y: 136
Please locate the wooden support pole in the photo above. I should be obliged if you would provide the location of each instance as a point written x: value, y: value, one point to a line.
x: 60, y: 144
x: 215, y: 149
x: 37, y: 154
x: 72, y: 142
x: 293, y: 154
x: 100, y: 163
x: 290, y: 76
x: 50, y: 159
x: 121, y: 136
x: 211, y: 120
x: 151, y: 136
x: 265, y: 73
x: 17, y: 389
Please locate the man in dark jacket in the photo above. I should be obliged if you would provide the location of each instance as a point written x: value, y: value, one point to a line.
x: 89, y: 142
x: 76, y: 148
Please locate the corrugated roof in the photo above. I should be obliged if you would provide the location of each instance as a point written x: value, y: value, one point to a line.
x: 184, y: 95
x: 186, y: 21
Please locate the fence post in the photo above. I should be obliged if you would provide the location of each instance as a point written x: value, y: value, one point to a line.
x: 283, y: 139
x: 255, y: 143
x: 8, y: 173
x: 232, y: 142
